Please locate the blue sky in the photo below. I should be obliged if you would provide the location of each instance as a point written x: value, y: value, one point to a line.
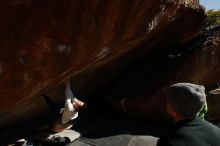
x: 211, y: 4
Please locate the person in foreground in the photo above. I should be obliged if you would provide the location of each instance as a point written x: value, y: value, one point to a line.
x: 184, y: 103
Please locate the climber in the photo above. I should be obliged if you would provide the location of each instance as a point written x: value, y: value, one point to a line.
x: 69, y: 112
x: 64, y: 121
x: 184, y: 103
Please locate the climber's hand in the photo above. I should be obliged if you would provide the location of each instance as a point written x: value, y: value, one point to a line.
x: 78, y: 104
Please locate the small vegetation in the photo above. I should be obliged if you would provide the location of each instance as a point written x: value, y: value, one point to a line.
x: 213, y: 17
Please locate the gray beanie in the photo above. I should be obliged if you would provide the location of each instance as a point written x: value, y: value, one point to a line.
x: 187, y: 99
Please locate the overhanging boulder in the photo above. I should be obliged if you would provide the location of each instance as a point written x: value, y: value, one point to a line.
x: 43, y: 42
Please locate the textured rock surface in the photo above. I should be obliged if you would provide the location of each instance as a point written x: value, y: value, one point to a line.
x: 45, y: 41
x: 196, y: 61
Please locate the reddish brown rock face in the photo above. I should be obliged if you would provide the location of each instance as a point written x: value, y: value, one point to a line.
x: 43, y: 42
x: 145, y: 95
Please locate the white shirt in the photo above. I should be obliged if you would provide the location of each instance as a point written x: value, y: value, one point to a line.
x: 69, y: 112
